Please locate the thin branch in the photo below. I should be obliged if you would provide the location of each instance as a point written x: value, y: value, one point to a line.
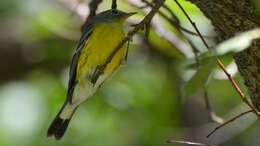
x: 158, y: 27
x: 211, y: 114
x: 174, y: 21
x: 237, y: 88
x: 220, y: 64
x: 229, y: 121
x: 189, y: 143
x: 208, y: 106
x: 114, y: 4
x: 93, y: 6
x: 100, y: 69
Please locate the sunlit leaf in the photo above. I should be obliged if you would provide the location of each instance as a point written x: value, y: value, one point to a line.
x: 200, y: 78
x: 163, y: 46
x: 238, y: 43
x: 202, y: 58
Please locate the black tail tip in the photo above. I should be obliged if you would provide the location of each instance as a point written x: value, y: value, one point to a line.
x: 58, y: 128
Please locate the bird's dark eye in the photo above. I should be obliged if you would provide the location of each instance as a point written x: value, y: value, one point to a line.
x: 115, y: 12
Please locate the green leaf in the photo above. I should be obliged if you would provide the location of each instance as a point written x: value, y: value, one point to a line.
x: 203, y: 59
x: 200, y: 78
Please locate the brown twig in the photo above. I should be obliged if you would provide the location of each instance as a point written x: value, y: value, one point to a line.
x: 174, y: 16
x: 174, y: 21
x: 93, y: 6
x: 237, y: 88
x: 212, y: 116
x: 220, y: 64
x: 189, y: 143
x: 229, y: 121
x: 100, y: 69
x: 158, y: 26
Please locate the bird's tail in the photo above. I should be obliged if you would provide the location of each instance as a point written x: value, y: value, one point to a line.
x: 60, y: 123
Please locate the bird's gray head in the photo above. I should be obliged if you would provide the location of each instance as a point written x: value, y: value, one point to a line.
x: 112, y: 15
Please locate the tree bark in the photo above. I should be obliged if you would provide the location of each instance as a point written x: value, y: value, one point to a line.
x: 230, y: 17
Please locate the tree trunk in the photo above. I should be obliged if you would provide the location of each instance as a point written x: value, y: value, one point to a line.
x: 230, y: 17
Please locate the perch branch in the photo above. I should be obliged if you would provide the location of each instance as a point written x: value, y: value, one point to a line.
x: 100, y: 69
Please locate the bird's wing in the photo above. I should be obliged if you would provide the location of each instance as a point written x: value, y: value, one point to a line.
x: 74, y: 62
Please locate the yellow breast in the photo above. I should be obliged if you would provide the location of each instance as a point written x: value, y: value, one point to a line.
x: 103, y: 40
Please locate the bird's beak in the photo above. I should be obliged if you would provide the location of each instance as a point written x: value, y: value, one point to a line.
x: 130, y: 14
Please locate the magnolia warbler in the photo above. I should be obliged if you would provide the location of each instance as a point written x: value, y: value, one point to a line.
x: 101, y: 35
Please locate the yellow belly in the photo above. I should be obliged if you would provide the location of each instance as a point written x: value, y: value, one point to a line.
x: 103, y: 40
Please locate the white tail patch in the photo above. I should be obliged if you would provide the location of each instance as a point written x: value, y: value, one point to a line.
x: 82, y: 92
x: 67, y: 111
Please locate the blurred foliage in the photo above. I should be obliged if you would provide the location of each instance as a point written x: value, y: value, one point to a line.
x: 144, y: 103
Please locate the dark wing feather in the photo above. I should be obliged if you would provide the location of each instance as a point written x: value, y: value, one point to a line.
x: 74, y: 62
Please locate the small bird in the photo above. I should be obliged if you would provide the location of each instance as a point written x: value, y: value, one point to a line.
x: 101, y: 35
